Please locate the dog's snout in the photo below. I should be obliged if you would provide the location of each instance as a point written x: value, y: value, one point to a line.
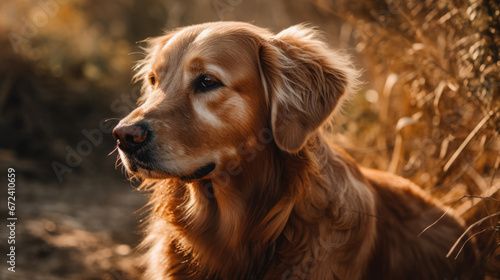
x: 131, y: 137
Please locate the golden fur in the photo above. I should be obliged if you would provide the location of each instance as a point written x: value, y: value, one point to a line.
x: 228, y: 137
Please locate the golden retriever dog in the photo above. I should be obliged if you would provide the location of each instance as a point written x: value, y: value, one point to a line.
x: 228, y: 137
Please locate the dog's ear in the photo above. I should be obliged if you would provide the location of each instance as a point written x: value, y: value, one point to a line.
x: 304, y: 82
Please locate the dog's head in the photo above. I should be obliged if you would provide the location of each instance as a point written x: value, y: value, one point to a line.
x: 214, y: 90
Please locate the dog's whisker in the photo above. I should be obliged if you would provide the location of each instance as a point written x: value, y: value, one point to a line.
x: 111, y: 119
x: 118, y: 162
x: 114, y: 150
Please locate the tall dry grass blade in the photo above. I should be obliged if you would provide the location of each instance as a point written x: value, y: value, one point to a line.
x: 435, y: 222
x: 467, y: 140
x: 468, y: 229
x: 475, y: 199
x: 468, y: 239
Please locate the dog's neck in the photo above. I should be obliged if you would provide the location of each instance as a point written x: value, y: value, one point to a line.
x: 219, y: 223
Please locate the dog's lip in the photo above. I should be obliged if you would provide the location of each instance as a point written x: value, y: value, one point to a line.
x: 200, y: 172
x: 134, y: 163
x: 142, y: 165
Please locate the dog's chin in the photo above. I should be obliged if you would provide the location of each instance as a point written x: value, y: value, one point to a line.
x: 144, y: 170
x: 150, y: 171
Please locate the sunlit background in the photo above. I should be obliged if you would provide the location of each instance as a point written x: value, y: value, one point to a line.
x: 428, y: 110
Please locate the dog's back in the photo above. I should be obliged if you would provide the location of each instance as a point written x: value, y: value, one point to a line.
x: 414, y: 235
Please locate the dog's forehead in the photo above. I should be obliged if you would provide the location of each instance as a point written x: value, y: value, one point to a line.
x: 171, y: 49
x: 209, y: 41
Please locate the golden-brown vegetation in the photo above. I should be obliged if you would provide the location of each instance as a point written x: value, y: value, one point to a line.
x: 434, y: 68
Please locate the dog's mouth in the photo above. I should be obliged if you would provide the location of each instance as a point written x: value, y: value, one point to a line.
x: 146, y: 165
x: 200, y: 172
x: 149, y: 168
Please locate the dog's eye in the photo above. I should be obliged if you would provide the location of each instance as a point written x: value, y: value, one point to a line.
x: 152, y: 79
x: 206, y: 83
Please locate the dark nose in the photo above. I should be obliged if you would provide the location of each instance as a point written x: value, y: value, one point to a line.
x: 131, y: 137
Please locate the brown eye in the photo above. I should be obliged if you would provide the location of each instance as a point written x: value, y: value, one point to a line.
x: 206, y: 83
x: 152, y: 79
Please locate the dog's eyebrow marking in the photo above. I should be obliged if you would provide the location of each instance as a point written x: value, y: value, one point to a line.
x: 204, y: 113
x: 196, y: 65
x: 218, y: 72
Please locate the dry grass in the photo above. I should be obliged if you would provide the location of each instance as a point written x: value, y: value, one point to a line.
x: 434, y: 67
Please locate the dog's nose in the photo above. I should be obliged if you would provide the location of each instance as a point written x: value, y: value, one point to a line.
x: 130, y: 137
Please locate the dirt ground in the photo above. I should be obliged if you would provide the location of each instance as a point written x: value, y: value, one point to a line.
x: 85, y: 228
